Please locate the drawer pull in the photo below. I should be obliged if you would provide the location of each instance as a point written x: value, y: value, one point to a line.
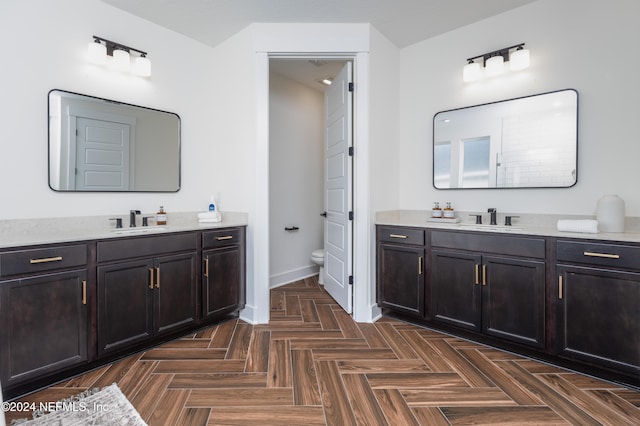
x: 226, y: 237
x: 84, y: 292
x: 45, y: 260
x: 484, y: 274
x: 151, y: 274
x: 420, y: 265
x: 206, y: 267
x: 560, y: 287
x: 397, y: 236
x: 606, y: 255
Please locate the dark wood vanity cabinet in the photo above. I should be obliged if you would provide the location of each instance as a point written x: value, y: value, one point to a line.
x: 493, y: 284
x: 598, y: 304
x: 223, y: 265
x: 148, y: 296
x: 401, y: 269
x: 43, y: 312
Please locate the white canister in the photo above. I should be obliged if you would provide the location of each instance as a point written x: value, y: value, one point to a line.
x: 610, y: 214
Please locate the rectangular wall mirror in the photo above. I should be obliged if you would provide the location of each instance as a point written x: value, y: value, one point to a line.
x: 102, y: 145
x: 528, y: 142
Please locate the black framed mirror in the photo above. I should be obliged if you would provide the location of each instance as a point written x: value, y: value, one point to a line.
x: 99, y: 144
x: 527, y: 142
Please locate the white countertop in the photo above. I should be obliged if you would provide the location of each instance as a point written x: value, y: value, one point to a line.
x: 540, y: 225
x: 26, y: 232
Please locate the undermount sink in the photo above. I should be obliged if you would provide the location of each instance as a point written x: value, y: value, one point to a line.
x: 495, y: 228
x: 140, y: 230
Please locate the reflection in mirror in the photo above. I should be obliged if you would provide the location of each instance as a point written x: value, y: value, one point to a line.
x: 528, y: 142
x: 101, y: 145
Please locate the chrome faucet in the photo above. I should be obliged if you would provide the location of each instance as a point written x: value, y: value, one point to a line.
x: 494, y: 213
x: 132, y: 218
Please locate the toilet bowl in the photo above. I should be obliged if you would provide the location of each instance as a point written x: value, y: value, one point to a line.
x: 317, y: 257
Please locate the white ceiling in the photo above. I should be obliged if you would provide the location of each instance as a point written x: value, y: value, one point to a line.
x: 403, y: 22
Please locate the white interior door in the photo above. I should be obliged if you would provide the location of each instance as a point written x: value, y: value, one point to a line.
x: 102, y: 155
x: 338, y: 197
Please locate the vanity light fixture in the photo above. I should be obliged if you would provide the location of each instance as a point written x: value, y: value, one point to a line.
x: 100, y: 49
x: 494, y: 62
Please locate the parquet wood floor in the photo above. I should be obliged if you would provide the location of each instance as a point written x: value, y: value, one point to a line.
x: 313, y: 365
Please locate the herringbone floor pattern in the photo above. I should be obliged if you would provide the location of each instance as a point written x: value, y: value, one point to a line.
x: 312, y: 364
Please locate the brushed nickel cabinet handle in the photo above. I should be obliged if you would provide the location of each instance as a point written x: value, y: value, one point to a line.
x: 226, y: 237
x: 397, y: 236
x: 84, y: 292
x: 484, y: 274
x: 420, y: 265
x: 206, y: 267
x: 606, y: 255
x: 157, y: 277
x: 151, y: 275
x: 560, y: 287
x: 45, y: 260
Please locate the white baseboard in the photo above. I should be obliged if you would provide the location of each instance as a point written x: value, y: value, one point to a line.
x: 293, y: 275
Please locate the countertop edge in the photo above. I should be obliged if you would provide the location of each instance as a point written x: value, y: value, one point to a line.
x: 532, y: 225
x: 17, y: 233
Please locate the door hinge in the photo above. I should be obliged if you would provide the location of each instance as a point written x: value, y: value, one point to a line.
x: 350, y: 151
x: 350, y: 279
x: 351, y: 87
x: 350, y: 215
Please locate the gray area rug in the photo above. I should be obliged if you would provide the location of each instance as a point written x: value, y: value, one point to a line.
x: 96, y: 407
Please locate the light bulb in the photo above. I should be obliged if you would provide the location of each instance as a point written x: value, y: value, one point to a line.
x: 121, y: 60
x: 519, y: 60
x: 142, y: 66
x: 471, y: 72
x: 97, y: 53
x: 494, y: 65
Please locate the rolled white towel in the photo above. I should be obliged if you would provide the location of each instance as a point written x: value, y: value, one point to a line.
x: 579, y: 225
x: 209, y: 217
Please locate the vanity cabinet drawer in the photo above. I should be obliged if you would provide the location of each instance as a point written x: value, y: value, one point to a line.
x: 402, y: 235
x: 612, y: 255
x: 490, y: 243
x: 42, y: 259
x: 127, y: 248
x: 221, y: 238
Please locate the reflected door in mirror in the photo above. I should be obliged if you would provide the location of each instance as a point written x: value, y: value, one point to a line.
x: 101, y: 145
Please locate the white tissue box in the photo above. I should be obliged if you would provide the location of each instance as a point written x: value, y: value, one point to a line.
x: 205, y: 217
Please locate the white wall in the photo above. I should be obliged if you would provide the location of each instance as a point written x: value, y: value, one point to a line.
x: 588, y: 46
x: 47, y: 41
x: 295, y: 178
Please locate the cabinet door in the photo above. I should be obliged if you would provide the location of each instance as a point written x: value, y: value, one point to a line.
x: 44, y: 324
x: 175, y: 292
x: 455, y: 288
x: 513, y: 299
x: 401, y: 278
x: 125, y: 315
x: 599, y: 318
x: 222, y: 281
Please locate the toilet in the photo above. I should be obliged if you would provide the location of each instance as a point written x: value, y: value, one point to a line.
x: 317, y: 257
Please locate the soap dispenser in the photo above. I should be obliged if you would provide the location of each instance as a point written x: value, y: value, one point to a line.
x: 212, y: 206
x: 448, y: 212
x: 436, y: 212
x: 161, y: 216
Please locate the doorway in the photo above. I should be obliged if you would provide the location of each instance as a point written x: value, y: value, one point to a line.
x: 302, y: 172
x: 364, y: 295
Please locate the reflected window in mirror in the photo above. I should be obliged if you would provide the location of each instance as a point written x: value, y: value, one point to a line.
x: 528, y: 142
